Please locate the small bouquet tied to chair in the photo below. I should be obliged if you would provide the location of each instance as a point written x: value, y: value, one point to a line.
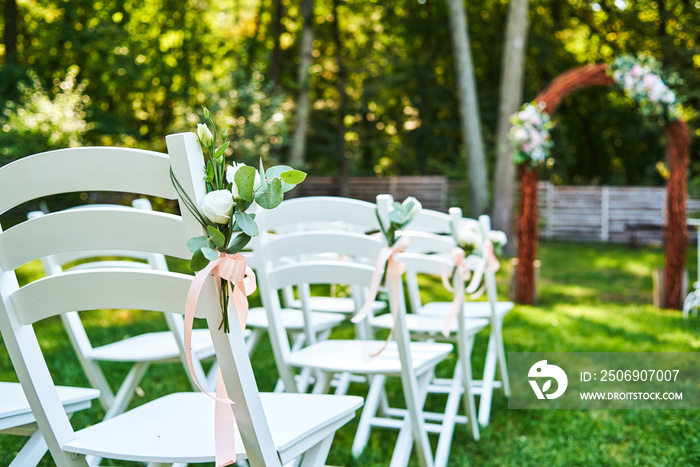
x: 227, y: 212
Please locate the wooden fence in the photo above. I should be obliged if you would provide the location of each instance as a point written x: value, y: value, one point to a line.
x: 603, y: 213
x: 585, y: 213
x: 431, y: 191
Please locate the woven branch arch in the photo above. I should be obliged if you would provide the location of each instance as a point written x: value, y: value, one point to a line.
x: 677, y: 153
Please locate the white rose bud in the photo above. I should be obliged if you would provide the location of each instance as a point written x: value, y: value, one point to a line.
x: 217, y: 206
x: 204, y: 134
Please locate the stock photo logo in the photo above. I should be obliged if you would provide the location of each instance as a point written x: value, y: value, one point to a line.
x: 542, y: 370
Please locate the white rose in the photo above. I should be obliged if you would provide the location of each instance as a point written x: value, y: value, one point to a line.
x: 217, y: 206
x: 204, y: 134
x: 469, y: 235
x: 231, y: 178
x: 498, y: 237
x: 520, y: 134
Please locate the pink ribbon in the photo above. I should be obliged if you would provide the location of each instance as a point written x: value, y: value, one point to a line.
x: 234, y: 270
x: 489, y: 262
x: 394, y: 271
x: 461, y: 275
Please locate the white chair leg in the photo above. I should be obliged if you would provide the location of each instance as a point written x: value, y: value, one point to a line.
x: 323, y: 382
x: 317, y: 455
x: 442, y: 453
x: 487, y: 382
x: 502, y: 365
x: 376, y: 389
x: 32, y: 452
x: 342, y: 384
x: 126, y: 391
x: 413, y: 429
x: 465, y: 365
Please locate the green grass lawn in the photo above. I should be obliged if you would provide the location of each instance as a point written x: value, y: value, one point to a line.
x: 591, y: 297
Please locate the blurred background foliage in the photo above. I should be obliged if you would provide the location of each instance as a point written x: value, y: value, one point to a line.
x: 125, y: 72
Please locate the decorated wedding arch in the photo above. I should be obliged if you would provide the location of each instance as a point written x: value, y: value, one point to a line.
x: 640, y: 79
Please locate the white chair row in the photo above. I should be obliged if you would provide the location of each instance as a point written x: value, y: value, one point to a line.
x: 177, y: 428
x: 414, y: 362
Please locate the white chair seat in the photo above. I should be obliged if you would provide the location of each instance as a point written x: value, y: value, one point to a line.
x: 428, y: 324
x: 334, y: 304
x: 293, y: 320
x: 180, y: 427
x: 471, y: 309
x: 354, y: 356
x: 153, y: 346
x: 15, y: 410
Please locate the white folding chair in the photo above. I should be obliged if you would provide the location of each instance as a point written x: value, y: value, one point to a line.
x: 428, y: 258
x: 16, y: 418
x: 314, y: 322
x: 140, y: 350
x: 493, y: 309
x: 272, y: 429
x: 413, y: 362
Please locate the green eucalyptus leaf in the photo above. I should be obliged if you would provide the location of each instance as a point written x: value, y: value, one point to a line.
x: 209, y: 172
x: 194, y: 244
x: 272, y: 197
x: 263, y: 182
x: 293, y: 177
x: 245, y: 179
x: 216, y: 236
x: 220, y: 152
x: 209, y: 253
x: 198, y: 261
x: 397, y: 217
x: 277, y: 170
x: 237, y: 243
x: 247, y: 224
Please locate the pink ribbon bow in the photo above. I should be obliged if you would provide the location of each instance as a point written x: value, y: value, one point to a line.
x: 233, y: 269
x: 489, y: 262
x: 394, y: 271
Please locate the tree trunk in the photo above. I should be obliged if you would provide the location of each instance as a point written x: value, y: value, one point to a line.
x: 342, y: 105
x: 527, y: 236
x: 276, y: 59
x: 10, y: 34
x: 509, y: 100
x: 298, y: 154
x: 468, y: 109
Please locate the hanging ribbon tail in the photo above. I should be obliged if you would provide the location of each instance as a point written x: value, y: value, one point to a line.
x: 233, y: 269
x: 382, y: 260
x: 490, y: 256
x: 476, y: 295
x: 477, y: 277
x: 461, y: 276
x: 224, y: 427
x: 395, y: 270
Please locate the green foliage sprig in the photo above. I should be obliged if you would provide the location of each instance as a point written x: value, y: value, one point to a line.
x: 400, y: 215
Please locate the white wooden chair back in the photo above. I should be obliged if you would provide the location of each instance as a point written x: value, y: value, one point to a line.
x: 308, y: 247
x: 86, y: 259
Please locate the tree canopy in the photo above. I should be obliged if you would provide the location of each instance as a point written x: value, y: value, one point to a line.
x: 144, y: 69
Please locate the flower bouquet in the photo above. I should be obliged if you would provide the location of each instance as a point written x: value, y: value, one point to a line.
x: 529, y: 134
x: 640, y: 79
x: 227, y: 209
x: 471, y: 240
